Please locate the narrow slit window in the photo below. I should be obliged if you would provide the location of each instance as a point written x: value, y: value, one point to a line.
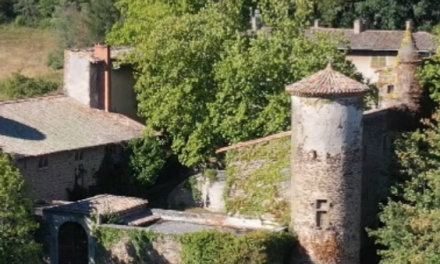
x: 390, y: 89
x: 43, y: 162
x: 78, y: 155
x: 322, y: 218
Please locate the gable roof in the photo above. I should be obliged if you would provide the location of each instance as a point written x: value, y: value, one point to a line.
x: 104, y: 203
x: 43, y: 125
x: 379, y: 40
x: 326, y: 82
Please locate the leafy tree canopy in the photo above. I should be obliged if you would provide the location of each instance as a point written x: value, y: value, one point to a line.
x: 16, y: 223
x: 205, y: 80
x: 390, y: 14
x: 411, y: 216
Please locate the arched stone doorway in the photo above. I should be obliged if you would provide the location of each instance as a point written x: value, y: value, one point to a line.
x: 72, y: 244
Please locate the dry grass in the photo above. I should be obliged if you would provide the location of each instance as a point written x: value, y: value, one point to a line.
x: 26, y: 49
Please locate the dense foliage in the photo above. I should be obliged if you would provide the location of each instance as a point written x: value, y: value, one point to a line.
x: 390, y: 14
x: 146, y: 159
x: 429, y: 77
x: 411, y: 216
x: 202, y: 74
x: 20, y: 86
x: 216, y: 247
x: 16, y: 223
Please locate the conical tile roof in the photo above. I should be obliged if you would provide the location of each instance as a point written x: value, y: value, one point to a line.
x: 326, y: 82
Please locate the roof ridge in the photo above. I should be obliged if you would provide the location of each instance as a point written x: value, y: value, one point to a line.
x: 32, y: 99
x: 370, y: 30
x: 254, y: 141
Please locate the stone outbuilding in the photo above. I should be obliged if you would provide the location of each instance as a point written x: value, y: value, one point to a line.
x: 59, y: 143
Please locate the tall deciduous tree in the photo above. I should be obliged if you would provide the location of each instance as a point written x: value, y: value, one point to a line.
x: 412, y: 216
x: 390, y: 14
x: 16, y: 223
x: 206, y: 80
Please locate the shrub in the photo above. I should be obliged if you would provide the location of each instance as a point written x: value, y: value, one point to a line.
x: 19, y: 86
x: 212, y: 246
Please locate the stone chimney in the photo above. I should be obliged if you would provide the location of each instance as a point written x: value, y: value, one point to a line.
x: 102, y: 52
x: 316, y: 23
x: 358, y: 26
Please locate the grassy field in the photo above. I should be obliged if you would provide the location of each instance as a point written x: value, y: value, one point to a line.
x: 26, y: 49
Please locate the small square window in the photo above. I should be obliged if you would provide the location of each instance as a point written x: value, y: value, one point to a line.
x: 390, y: 89
x: 43, y: 162
x: 378, y: 61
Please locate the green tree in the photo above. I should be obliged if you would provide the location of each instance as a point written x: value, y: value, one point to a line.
x: 147, y: 156
x: 20, y: 86
x: 79, y: 24
x: 390, y: 14
x: 16, y: 223
x: 205, y: 80
x: 411, y: 217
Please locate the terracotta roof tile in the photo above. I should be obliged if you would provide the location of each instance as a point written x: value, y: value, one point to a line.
x: 380, y: 39
x: 253, y: 142
x: 105, y: 203
x: 42, y: 125
x: 326, y: 82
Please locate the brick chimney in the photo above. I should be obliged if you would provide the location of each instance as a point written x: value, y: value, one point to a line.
x: 358, y: 26
x: 102, y: 52
x: 316, y: 23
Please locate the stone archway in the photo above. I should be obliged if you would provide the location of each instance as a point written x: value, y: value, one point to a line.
x: 72, y: 244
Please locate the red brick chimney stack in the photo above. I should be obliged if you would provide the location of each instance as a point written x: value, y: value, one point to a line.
x: 102, y: 51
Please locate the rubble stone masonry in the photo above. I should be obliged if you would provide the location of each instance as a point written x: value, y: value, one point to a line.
x: 49, y: 176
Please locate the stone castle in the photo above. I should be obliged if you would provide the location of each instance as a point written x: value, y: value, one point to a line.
x: 339, y: 157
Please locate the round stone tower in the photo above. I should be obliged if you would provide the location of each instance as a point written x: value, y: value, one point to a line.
x: 405, y: 89
x: 326, y: 167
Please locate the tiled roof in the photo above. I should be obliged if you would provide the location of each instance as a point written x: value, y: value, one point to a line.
x: 42, y: 125
x: 105, y: 203
x: 326, y: 82
x: 253, y: 142
x: 379, y: 39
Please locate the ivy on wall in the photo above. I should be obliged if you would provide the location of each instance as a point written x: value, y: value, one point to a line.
x: 217, y: 247
x: 255, y: 178
x: 204, y: 247
x: 137, y: 241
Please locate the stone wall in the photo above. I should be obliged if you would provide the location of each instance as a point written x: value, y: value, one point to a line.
x: 78, y: 76
x: 123, y: 97
x: 376, y: 156
x: 62, y: 171
x: 83, y: 81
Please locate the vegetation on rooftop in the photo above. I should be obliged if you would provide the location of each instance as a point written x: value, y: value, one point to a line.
x: 256, y: 176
